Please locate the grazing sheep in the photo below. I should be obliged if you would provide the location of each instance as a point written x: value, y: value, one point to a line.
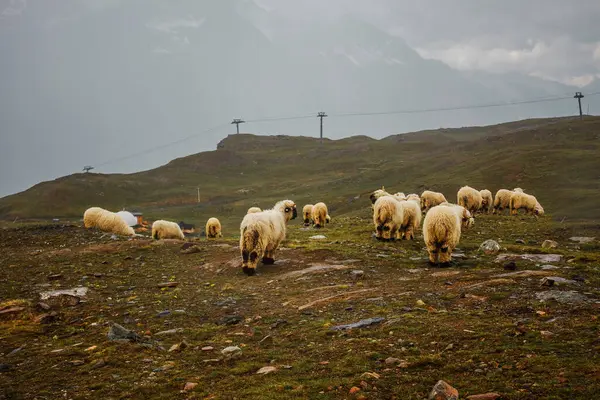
x: 213, y: 228
x: 502, y: 200
x: 442, y: 229
x: 527, y: 202
x: 162, y: 229
x: 307, y: 214
x: 96, y: 217
x: 388, y: 216
x: 377, y: 194
x: 518, y: 190
x: 320, y: 215
x: 400, y: 196
x: 431, y: 199
x: 253, y: 210
x: 414, y: 196
x: 411, y: 220
x: 487, y: 201
x: 469, y: 198
x: 262, y: 232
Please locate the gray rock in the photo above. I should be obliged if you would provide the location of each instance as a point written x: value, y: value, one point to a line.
x: 490, y: 247
x: 549, y: 267
x: 443, y: 391
x: 557, y: 280
x: 357, y: 273
x: 230, y: 320
x: 169, y: 332
x: 360, y: 324
x: 564, y: 297
x: 549, y: 244
x: 318, y: 237
x: 520, y: 241
x: 231, y: 352
x: 542, y: 258
x: 117, y: 332
x: 582, y: 239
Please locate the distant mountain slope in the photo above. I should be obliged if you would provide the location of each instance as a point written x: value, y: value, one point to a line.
x: 555, y: 159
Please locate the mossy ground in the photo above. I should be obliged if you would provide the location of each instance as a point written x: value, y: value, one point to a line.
x: 479, y: 338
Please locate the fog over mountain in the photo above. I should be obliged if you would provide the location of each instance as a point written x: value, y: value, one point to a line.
x: 94, y: 81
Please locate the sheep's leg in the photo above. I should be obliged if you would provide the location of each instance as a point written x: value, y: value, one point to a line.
x: 268, y: 256
x: 445, y: 255
x: 249, y: 261
x: 409, y: 234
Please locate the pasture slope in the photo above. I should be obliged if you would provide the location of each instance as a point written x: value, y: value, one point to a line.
x: 482, y: 325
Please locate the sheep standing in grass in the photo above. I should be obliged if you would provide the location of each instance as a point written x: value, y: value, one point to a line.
x: 377, y: 194
x: 388, y: 216
x: 527, y: 202
x: 442, y: 229
x: 162, y: 229
x: 107, y: 221
x: 307, y: 214
x: 320, y: 215
x: 431, y: 199
x: 253, y: 210
x: 213, y: 228
x: 502, y: 200
x: 261, y: 233
x: 469, y: 198
x: 487, y: 201
x: 411, y: 220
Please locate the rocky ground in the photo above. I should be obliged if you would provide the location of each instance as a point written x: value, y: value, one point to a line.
x: 338, y: 316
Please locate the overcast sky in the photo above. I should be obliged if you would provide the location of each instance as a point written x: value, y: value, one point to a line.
x: 88, y: 81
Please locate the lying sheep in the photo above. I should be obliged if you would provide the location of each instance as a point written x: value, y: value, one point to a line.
x: 487, y: 201
x: 431, y: 199
x: 527, y: 202
x: 307, y: 214
x: 469, y: 198
x: 162, y: 229
x: 262, y: 232
x: 411, y: 220
x: 253, y: 210
x: 442, y: 229
x: 502, y: 200
x: 213, y: 228
x: 320, y: 215
x: 388, y: 216
x: 377, y: 194
x: 107, y: 221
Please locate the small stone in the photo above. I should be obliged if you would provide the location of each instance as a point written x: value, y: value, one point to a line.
x: 443, y: 391
x: 354, y: 390
x: 549, y: 267
x: 77, y: 363
x: 370, y: 375
x: 318, y: 237
x: 557, y: 280
x: 520, y: 241
x: 484, y: 396
x: 231, y: 352
x: 565, y: 297
x: 490, y: 247
x: 510, y: 266
x: 98, y: 275
x: 163, y: 314
x: 582, y: 239
x: 189, y: 386
x: 392, y: 360
x: 191, y: 250
x: 99, y: 364
x: 169, y: 332
x: 266, y: 370
x: 91, y: 348
x: 420, y: 303
x: 357, y: 274
x: 231, y: 320
x: 448, y: 283
x: 167, y: 284
x: 117, y: 332
x: 449, y: 347
x: 178, y: 347
x: 207, y: 348
x: 546, y: 333
x: 549, y: 244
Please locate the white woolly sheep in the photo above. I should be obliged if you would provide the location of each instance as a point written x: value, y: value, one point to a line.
x: 469, y: 198
x: 411, y: 220
x: 213, y: 228
x: 107, y: 221
x: 388, y: 216
x: 320, y: 215
x: 253, y: 210
x: 527, y: 202
x: 261, y: 233
x: 487, y: 201
x: 399, y: 196
x: 442, y: 228
x: 431, y: 199
x: 377, y: 194
x: 518, y: 190
x: 502, y: 200
x: 162, y: 229
x: 307, y: 214
x: 414, y: 196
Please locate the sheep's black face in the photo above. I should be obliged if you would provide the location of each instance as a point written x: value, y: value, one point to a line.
x: 294, y: 213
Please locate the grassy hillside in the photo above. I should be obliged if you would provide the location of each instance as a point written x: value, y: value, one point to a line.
x: 554, y: 159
